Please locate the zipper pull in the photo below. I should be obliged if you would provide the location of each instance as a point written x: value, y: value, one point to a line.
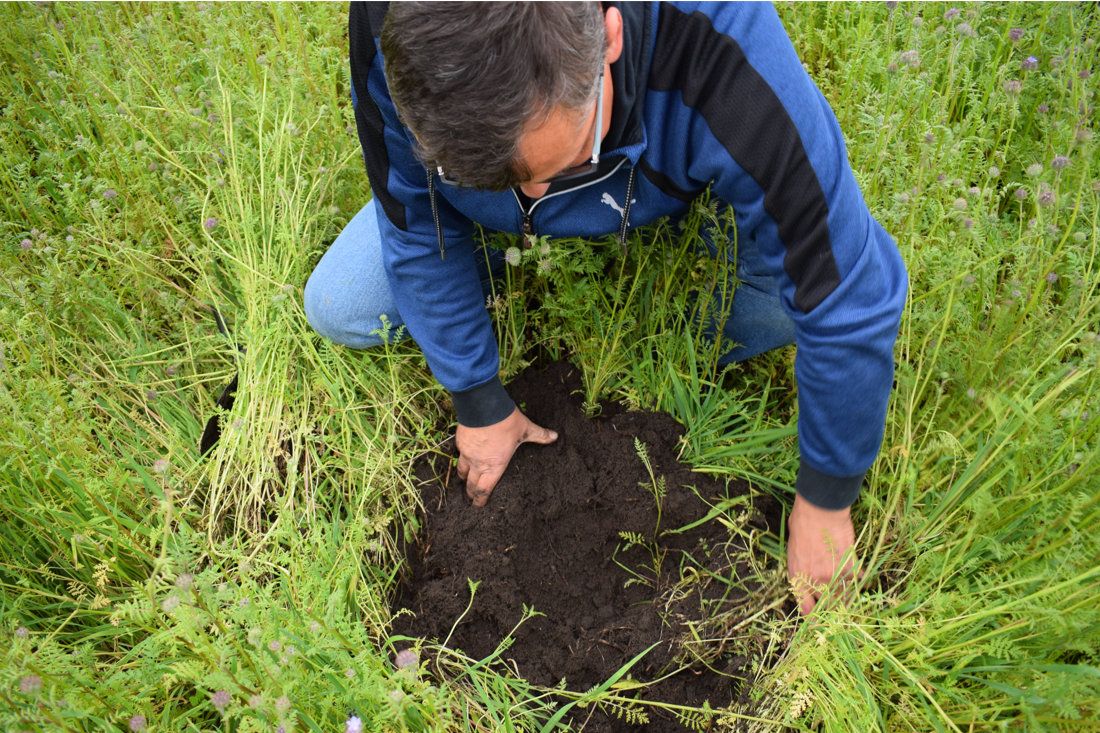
x: 525, y: 212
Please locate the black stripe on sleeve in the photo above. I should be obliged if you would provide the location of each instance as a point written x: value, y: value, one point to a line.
x: 666, y: 184
x: 364, y: 23
x: 711, y: 72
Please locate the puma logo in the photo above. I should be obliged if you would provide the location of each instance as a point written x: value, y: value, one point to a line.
x: 610, y: 201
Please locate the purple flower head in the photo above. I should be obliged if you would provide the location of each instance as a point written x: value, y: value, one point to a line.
x: 1084, y: 74
x: 1015, y: 34
x: 1059, y: 163
x: 210, y: 223
x: 220, y: 699
x: 968, y: 223
x: 30, y: 684
x: 1046, y: 198
x: 406, y: 658
x: 22, y: 632
x: 910, y: 58
x: 137, y: 723
x: 891, y: 68
x: 1021, y: 193
x: 1052, y: 277
x: 160, y: 465
x: 952, y: 13
x: 1013, y: 87
x: 169, y: 604
x: 512, y: 256
x: 965, y: 29
x: 354, y: 725
x: 110, y: 193
x: 1043, y: 109
x: 26, y: 244
x: 1030, y: 64
x: 1034, y: 169
x: 930, y: 138
x: 994, y: 171
x: 274, y: 646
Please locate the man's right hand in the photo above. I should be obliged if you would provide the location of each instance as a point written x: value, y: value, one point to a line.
x: 484, y: 453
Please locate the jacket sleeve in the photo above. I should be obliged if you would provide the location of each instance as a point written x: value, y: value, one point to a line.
x: 437, y: 291
x: 770, y: 142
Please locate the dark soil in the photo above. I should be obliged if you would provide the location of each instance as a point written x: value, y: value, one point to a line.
x: 550, y: 539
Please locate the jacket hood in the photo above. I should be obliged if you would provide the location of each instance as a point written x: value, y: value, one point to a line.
x: 629, y: 75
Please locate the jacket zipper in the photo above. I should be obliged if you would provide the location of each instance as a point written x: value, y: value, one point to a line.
x: 528, y: 214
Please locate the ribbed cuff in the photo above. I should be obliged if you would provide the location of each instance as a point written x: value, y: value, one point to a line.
x: 486, y: 404
x: 825, y: 491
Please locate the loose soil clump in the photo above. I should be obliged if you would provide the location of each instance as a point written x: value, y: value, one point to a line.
x: 556, y: 536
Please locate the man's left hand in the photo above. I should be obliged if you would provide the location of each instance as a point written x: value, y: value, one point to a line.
x: 819, y: 541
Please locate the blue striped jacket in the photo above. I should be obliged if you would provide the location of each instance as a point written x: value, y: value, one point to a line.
x: 705, y: 94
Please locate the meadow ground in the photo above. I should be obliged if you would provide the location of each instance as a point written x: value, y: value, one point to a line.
x: 160, y: 162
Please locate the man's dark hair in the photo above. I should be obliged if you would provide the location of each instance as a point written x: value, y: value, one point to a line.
x: 468, y: 78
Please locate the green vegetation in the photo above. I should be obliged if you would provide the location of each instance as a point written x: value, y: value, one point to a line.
x: 163, y: 160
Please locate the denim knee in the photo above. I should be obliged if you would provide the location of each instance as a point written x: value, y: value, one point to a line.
x: 323, y: 315
x: 347, y: 298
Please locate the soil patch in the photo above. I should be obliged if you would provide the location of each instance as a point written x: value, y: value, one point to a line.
x: 573, y: 531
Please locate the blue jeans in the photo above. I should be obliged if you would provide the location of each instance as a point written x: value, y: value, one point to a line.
x: 348, y: 293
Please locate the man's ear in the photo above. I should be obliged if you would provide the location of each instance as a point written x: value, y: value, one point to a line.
x: 613, y: 25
